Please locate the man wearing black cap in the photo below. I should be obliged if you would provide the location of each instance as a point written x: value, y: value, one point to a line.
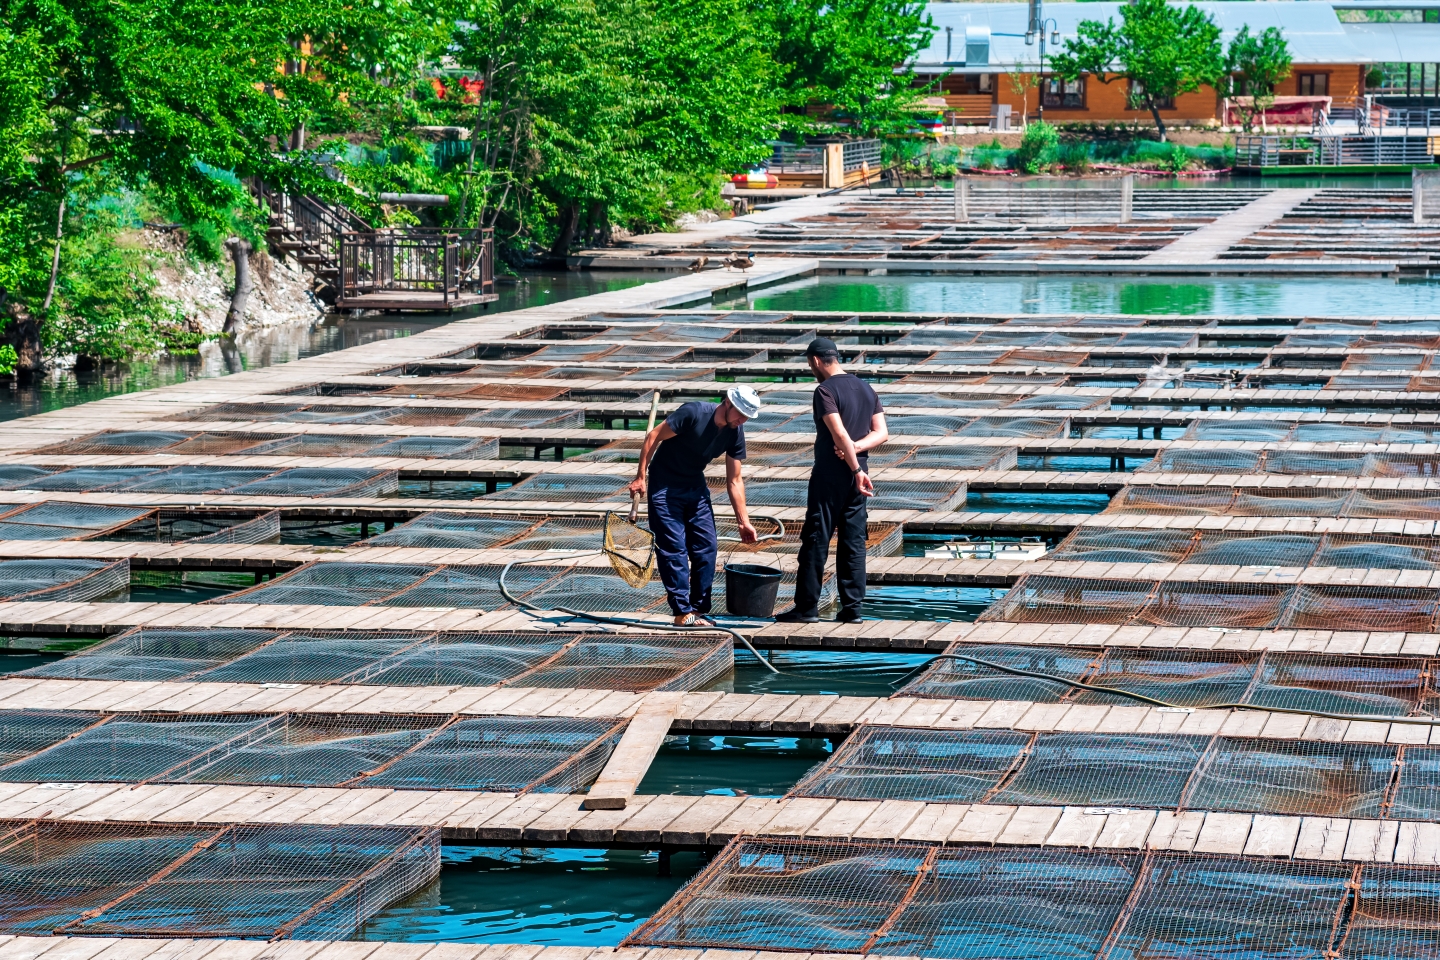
x: 849, y: 421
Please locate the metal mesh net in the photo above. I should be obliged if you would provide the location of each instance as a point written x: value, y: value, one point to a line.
x: 118, y: 443
x: 512, y: 754
x: 474, y: 531
x: 256, y: 882
x: 1025, y: 902
x: 631, y: 661
x: 1177, y: 603
x: 1190, y: 678
x: 67, y: 521
x: 63, y: 579
x: 889, y: 495
x: 262, y: 529
x: 564, y: 487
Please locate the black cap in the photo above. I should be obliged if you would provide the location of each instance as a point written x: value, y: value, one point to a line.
x: 821, y: 347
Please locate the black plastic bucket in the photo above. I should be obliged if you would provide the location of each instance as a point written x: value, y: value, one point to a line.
x: 750, y: 589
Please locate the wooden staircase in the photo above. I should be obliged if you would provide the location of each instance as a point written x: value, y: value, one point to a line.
x: 359, y: 267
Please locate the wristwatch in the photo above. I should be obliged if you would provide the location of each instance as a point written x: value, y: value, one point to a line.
x: 857, y: 470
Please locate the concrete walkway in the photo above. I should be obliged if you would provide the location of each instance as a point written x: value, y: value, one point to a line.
x: 1206, y: 244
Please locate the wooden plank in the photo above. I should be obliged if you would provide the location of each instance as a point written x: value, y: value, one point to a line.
x: 1372, y: 841
x: 553, y: 826
x: 984, y: 823
x: 1175, y: 831
x: 1029, y: 826
x: 796, y: 815
x: 1321, y: 838
x: 627, y: 766
x: 843, y: 819
x: 1272, y: 836
x: 1076, y: 827
x: 1224, y: 833
x: 509, y: 823
x: 1418, y: 843
x: 647, y: 824
x: 1127, y: 831
x: 935, y: 822
x: 694, y: 826
x: 749, y: 817
x: 889, y: 820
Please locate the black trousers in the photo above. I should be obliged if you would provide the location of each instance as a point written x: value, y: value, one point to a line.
x: 833, y: 507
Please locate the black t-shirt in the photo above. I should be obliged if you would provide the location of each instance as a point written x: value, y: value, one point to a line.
x: 856, y: 402
x: 681, y: 460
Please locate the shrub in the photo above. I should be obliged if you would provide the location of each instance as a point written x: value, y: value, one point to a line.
x: 1075, y: 157
x: 1039, y: 147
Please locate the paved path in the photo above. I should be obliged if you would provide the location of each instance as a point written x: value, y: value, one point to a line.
x: 1206, y: 244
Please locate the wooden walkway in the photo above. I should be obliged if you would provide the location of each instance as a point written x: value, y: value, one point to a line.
x: 1218, y: 236
x: 684, y: 822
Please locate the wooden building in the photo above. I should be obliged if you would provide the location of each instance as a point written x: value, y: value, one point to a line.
x: 1388, y: 50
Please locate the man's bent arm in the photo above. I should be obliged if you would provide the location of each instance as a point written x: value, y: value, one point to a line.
x: 878, y: 434
x: 843, y: 444
x: 653, y: 439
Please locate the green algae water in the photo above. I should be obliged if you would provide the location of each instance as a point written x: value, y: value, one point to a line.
x: 1103, y: 295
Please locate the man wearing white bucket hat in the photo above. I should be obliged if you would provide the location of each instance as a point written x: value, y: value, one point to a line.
x: 681, y: 518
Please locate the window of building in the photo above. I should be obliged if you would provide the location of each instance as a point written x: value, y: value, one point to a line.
x: 1312, y: 84
x: 985, y: 82
x: 1137, y: 98
x: 1063, y: 94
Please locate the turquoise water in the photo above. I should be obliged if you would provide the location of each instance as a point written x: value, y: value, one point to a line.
x: 552, y: 897
x: 1035, y: 502
x: 732, y: 766
x: 1115, y: 295
x: 810, y: 672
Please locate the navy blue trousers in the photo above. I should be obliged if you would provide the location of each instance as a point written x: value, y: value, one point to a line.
x: 685, y: 546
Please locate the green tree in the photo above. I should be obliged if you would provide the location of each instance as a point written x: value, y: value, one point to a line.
x: 602, y: 111
x: 1254, y: 65
x: 852, y: 55
x: 1159, y: 49
x: 159, y: 95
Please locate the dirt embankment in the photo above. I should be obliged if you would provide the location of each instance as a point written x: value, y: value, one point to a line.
x: 281, y: 293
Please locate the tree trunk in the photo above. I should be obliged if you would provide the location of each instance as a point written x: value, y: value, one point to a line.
x: 29, y: 360
x: 240, y: 253
x: 569, y: 221
x: 1159, y: 123
x: 55, y: 258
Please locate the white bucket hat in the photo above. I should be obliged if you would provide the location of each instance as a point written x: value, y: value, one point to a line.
x: 745, y: 399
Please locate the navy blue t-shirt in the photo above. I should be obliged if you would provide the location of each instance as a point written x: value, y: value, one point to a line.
x: 681, y: 460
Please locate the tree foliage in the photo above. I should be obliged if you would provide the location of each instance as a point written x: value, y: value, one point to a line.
x: 1254, y: 65
x: 577, y: 115
x: 159, y: 95
x: 1159, y: 49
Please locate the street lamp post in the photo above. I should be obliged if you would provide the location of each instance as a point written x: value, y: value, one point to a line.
x: 1038, y: 24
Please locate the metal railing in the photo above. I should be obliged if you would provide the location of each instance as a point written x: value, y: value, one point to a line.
x: 1331, y: 150
x: 449, y: 264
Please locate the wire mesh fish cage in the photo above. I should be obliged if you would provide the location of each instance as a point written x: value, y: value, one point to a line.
x: 1325, y: 683
x: 79, y: 580
x: 207, y: 478
x: 412, y: 752
x: 902, y: 899
x: 58, y: 520
x: 270, y: 882
x: 635, y: 661
x: 937, y: 495
x: 565, y: 487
